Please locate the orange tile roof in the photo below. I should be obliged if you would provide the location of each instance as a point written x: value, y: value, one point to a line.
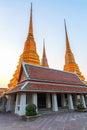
x: 56, y: 88
x: 32, y: 87
x: 41, y: 79
x: 43, y: 73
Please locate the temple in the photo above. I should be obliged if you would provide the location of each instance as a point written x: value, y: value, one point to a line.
x: 44, y: 61
x: 49, y: 89
x: 29, y: 54
x: 70, y: 64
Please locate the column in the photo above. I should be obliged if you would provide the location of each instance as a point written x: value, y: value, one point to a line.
x: 9, y: 104
x: 70, y: 102
x: 75, y: 100
x: 83, y: 100
x: 48, y: 101
x: 16, y: 105
x: 86, y: 99
x: 34, y: 100
x: 63, y: 100
x: 22, y: 104
x: 54, y: 102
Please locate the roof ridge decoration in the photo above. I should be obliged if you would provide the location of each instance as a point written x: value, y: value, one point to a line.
x: 27, y: 74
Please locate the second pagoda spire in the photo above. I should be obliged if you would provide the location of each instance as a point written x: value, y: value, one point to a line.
x: 70, y: 64
x: 44, y: 61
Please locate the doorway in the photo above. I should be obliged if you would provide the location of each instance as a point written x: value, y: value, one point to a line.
x: 41, y: 101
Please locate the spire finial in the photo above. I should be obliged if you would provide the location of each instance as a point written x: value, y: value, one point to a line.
x: 67, y: 41
x: 44, y: 52
x: 30, y: 33
x: 44, y: 61
x: 65, y: 26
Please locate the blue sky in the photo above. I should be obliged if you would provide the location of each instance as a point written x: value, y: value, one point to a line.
x: 48, y: 21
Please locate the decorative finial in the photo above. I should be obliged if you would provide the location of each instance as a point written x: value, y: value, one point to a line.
x: 65, y: 26
x: 67, y: 41
x: 44, y: 52
x: 30, y: 33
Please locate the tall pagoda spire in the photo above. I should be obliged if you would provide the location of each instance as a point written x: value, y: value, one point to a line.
x: 70, y: 64
x: 29, y: 54
x: 44, y: 61
x: 69, y: 57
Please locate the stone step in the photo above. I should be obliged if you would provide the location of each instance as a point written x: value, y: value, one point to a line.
x: 49, y: 111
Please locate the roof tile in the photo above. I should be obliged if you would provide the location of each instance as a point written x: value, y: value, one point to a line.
x: 43, y: 73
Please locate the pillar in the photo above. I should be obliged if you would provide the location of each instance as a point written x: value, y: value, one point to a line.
x: 63, y: 100
x: 22, y: 104
x: 54, y: 102
x: 34, y: 100
x: 75, y: 100
x: 83, y: 100
x: 16, y: 105
x: 9, y: 104
x: 86, y: 99
x: 48, y: 101
x: 70, y: 102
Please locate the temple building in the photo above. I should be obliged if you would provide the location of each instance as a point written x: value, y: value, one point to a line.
x: 70, y: 64
x: 49, y: 89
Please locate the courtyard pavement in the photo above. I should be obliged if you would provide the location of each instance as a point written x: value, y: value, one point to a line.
x: 56, y: 121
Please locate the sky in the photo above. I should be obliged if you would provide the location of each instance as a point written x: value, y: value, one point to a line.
x: 48, y: 22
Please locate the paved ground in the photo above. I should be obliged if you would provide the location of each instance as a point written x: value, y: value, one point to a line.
x: 59, y: 121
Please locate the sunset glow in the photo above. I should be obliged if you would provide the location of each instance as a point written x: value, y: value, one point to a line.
x: 48, y: 22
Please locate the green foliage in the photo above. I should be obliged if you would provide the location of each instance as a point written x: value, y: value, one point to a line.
x: 80, y: 107
x: 31, y: 110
